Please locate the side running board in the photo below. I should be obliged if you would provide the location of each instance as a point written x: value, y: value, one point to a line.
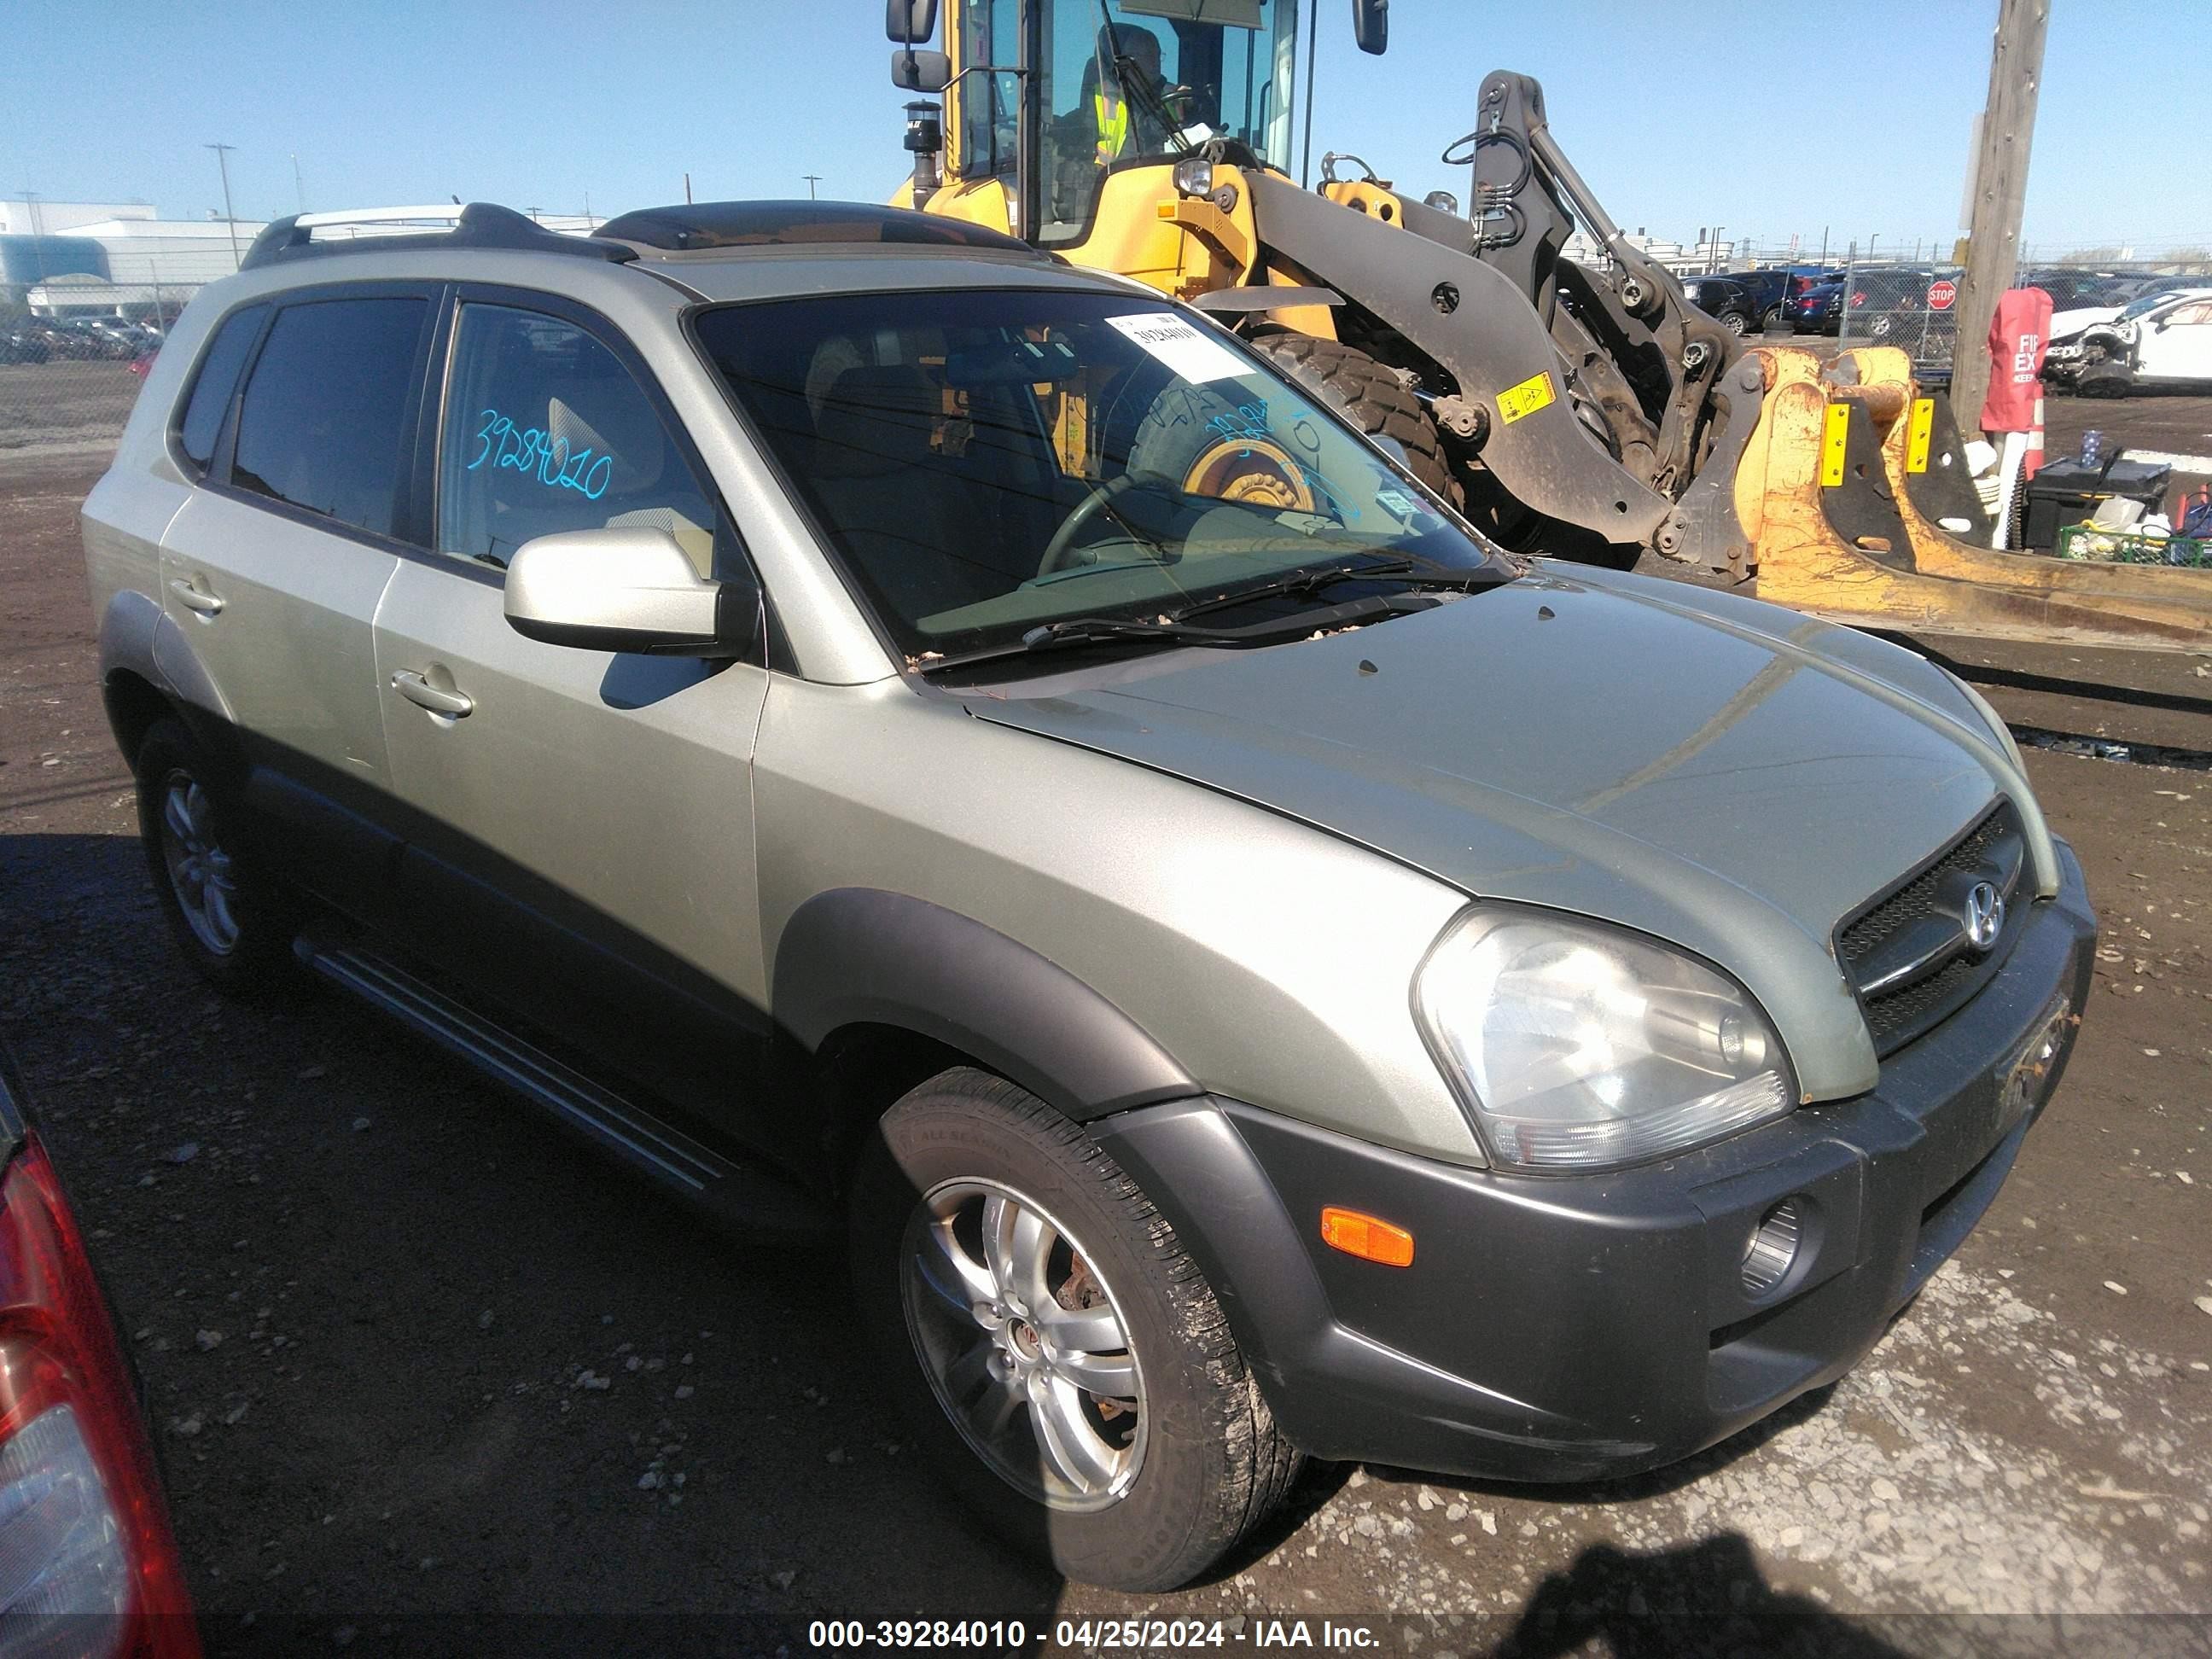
x: 742, y: 1197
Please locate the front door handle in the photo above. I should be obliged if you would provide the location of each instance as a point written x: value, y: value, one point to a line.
x: 194, y: 598
x: 435, y: 698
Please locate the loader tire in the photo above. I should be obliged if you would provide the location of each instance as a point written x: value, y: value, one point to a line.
x: 1371, y: 396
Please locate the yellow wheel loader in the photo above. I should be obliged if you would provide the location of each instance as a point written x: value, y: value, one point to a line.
x: 1569, y: 412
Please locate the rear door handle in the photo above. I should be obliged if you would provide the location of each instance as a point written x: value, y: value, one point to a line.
x: 435, y: 698
x: 194, y: 598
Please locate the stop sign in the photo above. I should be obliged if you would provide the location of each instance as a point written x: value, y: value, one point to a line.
x: 1941, y: 295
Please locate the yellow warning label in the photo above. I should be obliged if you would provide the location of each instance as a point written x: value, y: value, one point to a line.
x: 1834, y: 436
x: 1916, y: 434
x: 1531, y: 395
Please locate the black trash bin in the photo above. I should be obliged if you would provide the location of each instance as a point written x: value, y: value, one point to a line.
x: 2067, y: 492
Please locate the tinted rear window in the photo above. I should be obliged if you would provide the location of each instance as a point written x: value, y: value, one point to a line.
x: 217, y: 380
x: 325, y: 408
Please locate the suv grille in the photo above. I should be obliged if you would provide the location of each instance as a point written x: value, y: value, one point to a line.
x: 1907, y: 953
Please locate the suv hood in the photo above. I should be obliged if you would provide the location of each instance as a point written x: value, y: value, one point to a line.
x: 1731, y: 777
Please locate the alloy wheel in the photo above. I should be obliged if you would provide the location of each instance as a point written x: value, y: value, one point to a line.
x: 1024, y: 1344
x: 200, y: 872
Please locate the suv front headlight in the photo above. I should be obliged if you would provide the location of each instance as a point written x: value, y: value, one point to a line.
x: 1577, y: 1047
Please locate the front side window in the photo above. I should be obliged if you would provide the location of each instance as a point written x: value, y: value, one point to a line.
x: 325, y: 415
x: 202, y: 420
x: 986, y: 461
x: 1123, y: 83
x: 546, y: 431
x: 990, y: 96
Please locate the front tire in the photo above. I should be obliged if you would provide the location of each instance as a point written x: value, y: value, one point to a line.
x: 229, y: 922
x: 1368, y: 394
x: 1054, y: 1350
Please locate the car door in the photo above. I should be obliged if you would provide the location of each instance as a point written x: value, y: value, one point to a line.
x: 2181, y: 350
x: 580, y: 835
x: 273, y: 568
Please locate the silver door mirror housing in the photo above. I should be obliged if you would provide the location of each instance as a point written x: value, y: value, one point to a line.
x: 629, y: 589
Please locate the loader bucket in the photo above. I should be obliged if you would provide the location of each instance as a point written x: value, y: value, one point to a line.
x: 1825, y: 493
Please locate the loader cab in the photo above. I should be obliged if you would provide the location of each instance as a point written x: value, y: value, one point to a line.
x: 1116, y: 88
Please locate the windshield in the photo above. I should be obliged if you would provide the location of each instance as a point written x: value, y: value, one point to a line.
x: 987, y: 461
x: 2147, y: 303
x: 1123, y: 83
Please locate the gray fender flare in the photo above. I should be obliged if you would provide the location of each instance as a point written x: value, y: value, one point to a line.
x: 859, y: 955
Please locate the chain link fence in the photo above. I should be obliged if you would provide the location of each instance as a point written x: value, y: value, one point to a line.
x: 75, y: 346
x: 65, y: 387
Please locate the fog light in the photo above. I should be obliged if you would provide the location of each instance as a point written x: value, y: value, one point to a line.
x: 1193, y: 176
x: 1773, y: 1248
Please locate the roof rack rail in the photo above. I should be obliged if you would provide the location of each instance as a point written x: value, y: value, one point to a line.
x: 480, y: 224
x: 694, y: 226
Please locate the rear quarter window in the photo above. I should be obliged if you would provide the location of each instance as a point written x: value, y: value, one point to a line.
x: 200, y: 420
x: 324, y: 416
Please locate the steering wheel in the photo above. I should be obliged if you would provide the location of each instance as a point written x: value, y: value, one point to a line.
x: 1055, y: 550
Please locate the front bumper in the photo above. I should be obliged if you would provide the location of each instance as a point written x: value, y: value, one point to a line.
x: 1570, y: 1328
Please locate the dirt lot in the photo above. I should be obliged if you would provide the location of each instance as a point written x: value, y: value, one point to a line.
x: 64, y: 404
x: 366, y: 1292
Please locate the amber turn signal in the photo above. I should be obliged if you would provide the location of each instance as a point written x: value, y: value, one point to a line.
x: 1366, y: 1237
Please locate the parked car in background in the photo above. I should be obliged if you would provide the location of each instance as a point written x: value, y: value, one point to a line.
x: 2135, y: 294
x: 2070, y: 286
x: 1818, y: 310
x: 1773, y: 289
x: 1082, y: 875
x: 90, y: 1564
x: 1726, y: 300
x: 2161, y: 340
x: 97, y: 337
x: 1890, y: 305
x: 24, y: 345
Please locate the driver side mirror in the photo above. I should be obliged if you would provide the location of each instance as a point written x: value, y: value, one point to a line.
x: 1370, y: 25
x: 630, y: 589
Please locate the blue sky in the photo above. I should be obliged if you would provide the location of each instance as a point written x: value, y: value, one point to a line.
x: 1785, y: 116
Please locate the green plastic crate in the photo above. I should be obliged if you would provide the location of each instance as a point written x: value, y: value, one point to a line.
x: 2092, y: 545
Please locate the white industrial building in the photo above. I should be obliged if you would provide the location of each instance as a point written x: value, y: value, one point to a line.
x: 112, y: 258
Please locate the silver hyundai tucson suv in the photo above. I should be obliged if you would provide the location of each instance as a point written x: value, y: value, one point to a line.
x: 888, y: 732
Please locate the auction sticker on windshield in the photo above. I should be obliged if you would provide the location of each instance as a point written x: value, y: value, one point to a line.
x: 1182, y: 347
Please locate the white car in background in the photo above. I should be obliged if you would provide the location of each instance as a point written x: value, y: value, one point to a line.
x: 2160, y: 340
x: 2155, y: 290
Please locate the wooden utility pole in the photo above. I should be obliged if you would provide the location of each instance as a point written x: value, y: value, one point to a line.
x: 2000, y: 194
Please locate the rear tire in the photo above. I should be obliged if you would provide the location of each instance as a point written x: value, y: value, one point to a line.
x: 1734, y: 321
x: 1174, y: 1454
x: 233, y: 924
x: 1369, y: 395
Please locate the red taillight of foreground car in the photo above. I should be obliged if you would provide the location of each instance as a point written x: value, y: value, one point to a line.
x: 88, y: 1564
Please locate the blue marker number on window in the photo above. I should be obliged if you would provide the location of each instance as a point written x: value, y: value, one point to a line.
x: 529, y: 450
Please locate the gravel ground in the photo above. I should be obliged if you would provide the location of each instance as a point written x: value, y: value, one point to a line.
x: 413, y: 1352
x: 63, y: 403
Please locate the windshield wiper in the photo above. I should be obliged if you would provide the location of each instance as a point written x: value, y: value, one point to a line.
x: 1408, y: 571
x: 1134, y: 85
x: 1168, y: 629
